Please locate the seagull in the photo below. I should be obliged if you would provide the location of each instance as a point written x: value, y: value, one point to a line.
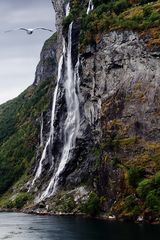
x: 29, y: 30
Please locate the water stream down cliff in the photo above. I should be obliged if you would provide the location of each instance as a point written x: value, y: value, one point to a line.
x: 90, y: 6
x: 70, y: 77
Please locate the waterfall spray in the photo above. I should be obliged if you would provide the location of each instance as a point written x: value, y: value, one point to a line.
x: 71, y: 81
x: 90, y: 6
x: 50, y: 138
x: 67, y: 9
x: 71, y: 126
x: 41, y: 131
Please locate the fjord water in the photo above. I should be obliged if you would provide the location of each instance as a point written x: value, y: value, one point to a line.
x: 17, y: 226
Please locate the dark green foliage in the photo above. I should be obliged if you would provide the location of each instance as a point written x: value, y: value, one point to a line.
x: 157, y: 179
x: 131, y: 205
x: 109, y: 15
x: 102, y: 8
x: 92, y: 205
x: 120, y: 6
x: 67, y: 20
x: 21, y: 200
x: 98, y: 2
x: 76, y: 11
x: 135, y: 175
x: 63, y: 202
x: 147, y: 11
x: 97, y: 151
x: 149, y: 191
x: 144, y: 187
x: 9, y: 204
x: 68, y: 204
x: 153, y: 200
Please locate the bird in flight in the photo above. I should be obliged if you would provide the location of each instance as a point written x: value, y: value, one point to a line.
x: 29, y: 30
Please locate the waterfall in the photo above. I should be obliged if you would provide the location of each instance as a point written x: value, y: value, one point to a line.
x: 50, y: 138
x: 71, y: 125
x: 71, y: 81
x: 90, y: 6
x: 41, y: 131
x: 67, y: 9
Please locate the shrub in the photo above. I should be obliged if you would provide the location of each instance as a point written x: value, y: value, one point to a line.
x: 147, y: 10
x: 21, y: 200
x: 135, y: 174
x: 99, y: 2
x: 120, y: 6
x: 153, y: 201
x: 67, y: 20
x: 157, y: 179
x: 129, y: 202
x: 144, y: 187
x: 9, y: 204
x: 68, y: 204
x: 131, y: 205
x: 101, y: 9
x: 92, y: 207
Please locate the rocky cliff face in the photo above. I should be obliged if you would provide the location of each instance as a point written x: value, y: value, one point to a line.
x: 117, y: 149
x: 119, y: 119
x: 22, y: 122
x: 47, y: 67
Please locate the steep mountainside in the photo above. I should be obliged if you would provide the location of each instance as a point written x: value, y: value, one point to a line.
x: 20, y: 121
x: 96, y: 148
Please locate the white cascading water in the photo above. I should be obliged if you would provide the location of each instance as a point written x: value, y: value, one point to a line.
x: 50, y: 138
x: 41, y: 131
x: 71, y: 126
x: 90, y: 6
x: 67, y: 9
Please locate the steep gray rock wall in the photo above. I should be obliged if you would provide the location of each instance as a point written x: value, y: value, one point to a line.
x: 119, y: 92
x: 119, y: 112
x: 121, y: 63
x: 119, y: 81
x: 47, y: 67
x: 119, y: 101
x: 59, y: 8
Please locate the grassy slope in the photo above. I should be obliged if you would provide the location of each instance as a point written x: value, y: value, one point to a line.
x: 19, y: 129
x: 20, y: 124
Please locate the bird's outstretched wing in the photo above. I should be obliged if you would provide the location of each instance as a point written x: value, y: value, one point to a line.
x: 25, y: 29
x: 12, y: 30
x: 42, y: 28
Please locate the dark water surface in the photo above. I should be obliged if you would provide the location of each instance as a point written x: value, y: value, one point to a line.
x: 24, y: 227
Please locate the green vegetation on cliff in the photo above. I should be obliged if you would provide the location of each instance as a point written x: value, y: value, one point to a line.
x: 125, y: 176
x: 19, y: 130
x: 20, y: 121
x: 107, y: 15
